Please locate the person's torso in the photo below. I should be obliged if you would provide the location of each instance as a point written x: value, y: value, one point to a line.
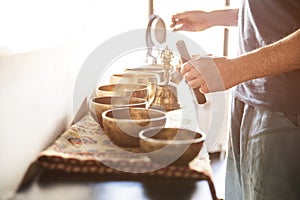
x: 262, y: 22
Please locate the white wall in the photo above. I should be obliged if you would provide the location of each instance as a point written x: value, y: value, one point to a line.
x: 36, y: 105
x: 34, y: 24
x: 42, y: 47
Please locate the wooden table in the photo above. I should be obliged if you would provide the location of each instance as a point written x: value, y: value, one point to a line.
x: 58, y: 183
x: 50, y: 185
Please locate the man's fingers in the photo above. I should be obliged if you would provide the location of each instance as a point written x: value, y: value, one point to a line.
x: 204, y: 89
x: 195, y: 83
x: 192, y: 74
x: 180, y: 28
x: 179, y: 25
x: 179, y: 21
x: 186, y: 68
x: 181, y: 15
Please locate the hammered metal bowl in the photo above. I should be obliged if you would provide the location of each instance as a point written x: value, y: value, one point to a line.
x: 148, y: 69
x: 123, y: 90
x: 122, y: 125
x: 149, y: 79
x: 176, y: 76
x: 98, y: 105
x: 175, y: 146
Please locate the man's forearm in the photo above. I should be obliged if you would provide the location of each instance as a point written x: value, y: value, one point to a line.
x: 226, y: 17
x: 279, y: 57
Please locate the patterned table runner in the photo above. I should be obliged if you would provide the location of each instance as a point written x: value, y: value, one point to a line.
x: 83, y: 148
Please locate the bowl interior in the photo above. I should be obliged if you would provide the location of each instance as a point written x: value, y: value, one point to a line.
x: 122, y: 87
x: 98, y: 105
x: 171, y: 145
x: 118, y: 101
x: 122, y: 125
x: 174, y: 135
x: 124, y: 90
x: 149, y: 79
x: 135, y: 114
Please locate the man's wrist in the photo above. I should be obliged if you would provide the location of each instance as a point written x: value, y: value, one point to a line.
x: 242, y: 68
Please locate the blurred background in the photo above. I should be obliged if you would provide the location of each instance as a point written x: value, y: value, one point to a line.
x: 43, y: 45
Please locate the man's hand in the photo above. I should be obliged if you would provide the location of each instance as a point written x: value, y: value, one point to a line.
x: 202, y: 20
x: 212, y: 74
x: 190, y: 21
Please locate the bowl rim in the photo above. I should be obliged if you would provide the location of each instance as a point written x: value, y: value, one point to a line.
x: 142, y: 101
x: 140, y: 74
x: 143, y: 86
x: 148, y: 139
x: 147, y: 69
x: 136, y: 120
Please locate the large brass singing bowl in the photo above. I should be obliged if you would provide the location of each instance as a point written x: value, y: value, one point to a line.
x: 123, y: 90
x: 171, y: 145
x: 122, y: 125
x: 98, y: 105
x: 148, y: 79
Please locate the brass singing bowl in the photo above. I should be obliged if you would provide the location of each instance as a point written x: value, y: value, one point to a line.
x: 148, y: 69
x: 176, y: 75
x: 122, y: 125
x: 98, y: 105
x: 123, y: 90
x: 175, y: 146
x: 149, y: 79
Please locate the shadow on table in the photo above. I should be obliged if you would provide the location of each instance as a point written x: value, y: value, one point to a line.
x: 169, y: 189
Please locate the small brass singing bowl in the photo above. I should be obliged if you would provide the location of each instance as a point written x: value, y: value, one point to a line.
x: 149, y: 79
x: 98, y: 105
x: 168, y: 146
x: 122, y: 125
x: 123, y: 90
x: 159, y: 71
x: 176, y: 76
